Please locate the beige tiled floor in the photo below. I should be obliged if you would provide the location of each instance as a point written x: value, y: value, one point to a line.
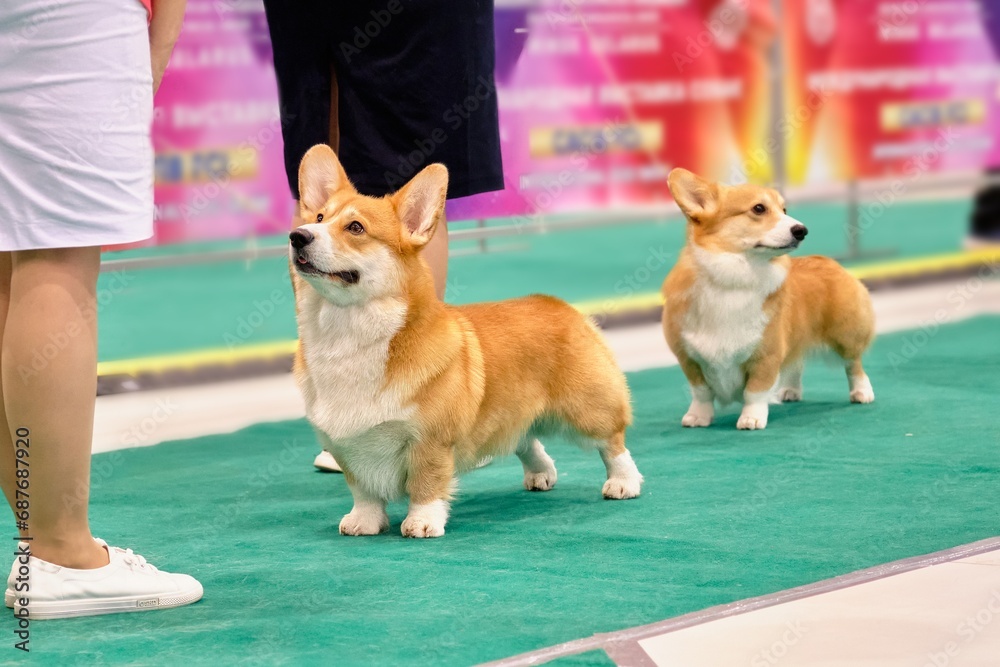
x: 944, y: 615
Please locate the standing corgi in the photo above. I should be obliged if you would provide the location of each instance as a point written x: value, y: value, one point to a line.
x: 741, y: 315
x: 406, y: 391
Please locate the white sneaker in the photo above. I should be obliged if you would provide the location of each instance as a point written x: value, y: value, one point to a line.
x: 325, y: 461
x: 127, y: 583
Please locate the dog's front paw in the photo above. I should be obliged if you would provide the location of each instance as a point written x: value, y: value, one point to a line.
x: 863, y: 396
x: 751, y: 422
x: 790, y: 395
x: 540, y: 481
x: 754, y: 415
x: 418, y: 526
x: 364, y: 522
x: 696, y: 420
x: 699, y: 414
x: 426, y: 520
x: 621, y: 488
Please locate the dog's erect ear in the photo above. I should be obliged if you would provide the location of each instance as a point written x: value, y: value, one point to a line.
x: 420, y: 203
x: 697, y: 197
x: 320, y: 175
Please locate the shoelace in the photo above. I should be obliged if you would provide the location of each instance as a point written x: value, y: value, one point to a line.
x: 135, y: 561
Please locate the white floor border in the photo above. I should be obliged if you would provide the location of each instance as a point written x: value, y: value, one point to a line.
x: 623, y: 646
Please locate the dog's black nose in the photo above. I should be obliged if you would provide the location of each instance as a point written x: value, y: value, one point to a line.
x: 798, y: 231
x: 300, y: 238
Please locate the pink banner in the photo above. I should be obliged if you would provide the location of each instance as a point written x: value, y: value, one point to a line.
x: 598, y: 100
x: 879, y: 89
x: 217, y: 133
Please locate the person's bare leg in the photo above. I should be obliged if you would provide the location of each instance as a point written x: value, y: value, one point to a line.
x: 49, y: 371
x: 436, y: 254
x: 7, y: 465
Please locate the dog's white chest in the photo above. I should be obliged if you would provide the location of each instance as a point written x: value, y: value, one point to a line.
x: 367, y: 424
x: 725, y: 321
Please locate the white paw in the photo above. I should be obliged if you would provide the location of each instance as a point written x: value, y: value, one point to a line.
x: 695, y: 420
x: 364, y: 523
x: 790, y: 395
x: 699, y: 414
x: 620, y: 488
x: 540, y: 481
x: 755, y: 410
x: 420, y: 527
x: 426, y: 520
x: 751, y: 422
x: 863, y: 395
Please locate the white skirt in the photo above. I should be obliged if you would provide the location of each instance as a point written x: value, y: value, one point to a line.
x: 76, y: 104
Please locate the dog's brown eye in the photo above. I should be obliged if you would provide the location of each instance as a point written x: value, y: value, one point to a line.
x: 355, y: 228
x: 760, y: 209
x: 319, y: 218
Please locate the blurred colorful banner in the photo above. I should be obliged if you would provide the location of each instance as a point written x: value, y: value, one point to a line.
x: 882, y: 89
x: 598, y: 100
x: 216, y: 131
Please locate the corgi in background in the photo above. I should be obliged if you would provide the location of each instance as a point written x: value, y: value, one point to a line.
x: 741, y: 315
x: 406, y: 391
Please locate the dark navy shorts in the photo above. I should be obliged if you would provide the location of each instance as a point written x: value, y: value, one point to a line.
x: 415, y: 86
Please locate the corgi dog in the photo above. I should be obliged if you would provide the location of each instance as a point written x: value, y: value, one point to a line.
x: 405, y: 391
x: 741, y: 315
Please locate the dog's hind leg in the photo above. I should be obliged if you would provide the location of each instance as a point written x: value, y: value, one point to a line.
x: 539, y: 468
x: 850, y: 347
x: 850, y: 337
x: 790, y: 382
x: 860, y: 385
x: 624, y: 480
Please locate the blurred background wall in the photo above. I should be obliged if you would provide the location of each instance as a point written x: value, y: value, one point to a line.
x: 600, y: 99
x: 878, y: 119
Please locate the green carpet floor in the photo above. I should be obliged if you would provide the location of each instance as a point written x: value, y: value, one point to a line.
x: 827, y: 489
x: 161, y: 311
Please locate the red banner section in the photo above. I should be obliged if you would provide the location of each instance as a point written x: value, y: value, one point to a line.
x: 877, y: 89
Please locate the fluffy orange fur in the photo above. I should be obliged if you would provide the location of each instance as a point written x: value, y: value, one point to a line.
x: 482, y: 380
x: 817, y: 304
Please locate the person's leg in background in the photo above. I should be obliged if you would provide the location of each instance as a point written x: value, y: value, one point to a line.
x: 985, y: 228
x: 49, y: 371
x: 436, y: 255
x: 7, y: 464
